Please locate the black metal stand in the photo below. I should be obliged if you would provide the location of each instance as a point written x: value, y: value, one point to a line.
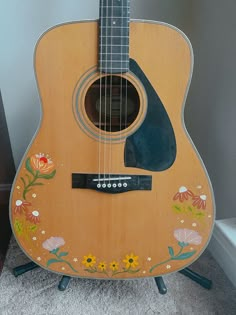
x: 63, y: 284
x: 204, y: 282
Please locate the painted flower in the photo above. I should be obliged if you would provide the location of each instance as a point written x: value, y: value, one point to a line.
x: 131, y: 261
x: 42, y: 163
x: 102, y: 266
x: 21, y: 206
x: 114, y: 265
x: 53, y: 243
x: 33, y: 216
x: 186, y: 237
x: 200, y: 201
x: 183, y: 194
x: 89, y: 260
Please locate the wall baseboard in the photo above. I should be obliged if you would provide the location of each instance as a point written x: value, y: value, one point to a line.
x: 223, y: 246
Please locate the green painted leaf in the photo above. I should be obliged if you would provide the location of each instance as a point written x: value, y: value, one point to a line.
x: 54, y: 251
x: 23, y: 180
x: 33, y: 228
x: 185, y: 255
x: 52, y: 261
x: 133, y: 271
x: 47, y: 176
x: 177, y: 208
x: 63, y: 254
x: 182, y: 244
x: 18, y: 227
x: 171, y: 251
x: 190, y: 209
x: 90, y: 270
x: 37, y: 184
x: 28, y: 166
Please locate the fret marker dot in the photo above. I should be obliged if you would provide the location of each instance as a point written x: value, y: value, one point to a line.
x: 114, y: 22
x: 104, y: 185
x: 98, y: 185
x: 109, y: 185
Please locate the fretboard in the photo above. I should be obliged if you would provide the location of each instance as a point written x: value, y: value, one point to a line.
x: 114, y: 36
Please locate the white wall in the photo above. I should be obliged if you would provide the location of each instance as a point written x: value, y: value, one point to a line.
x: 211, y: 111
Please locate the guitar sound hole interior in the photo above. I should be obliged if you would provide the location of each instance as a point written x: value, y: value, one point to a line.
x: 112, y: 103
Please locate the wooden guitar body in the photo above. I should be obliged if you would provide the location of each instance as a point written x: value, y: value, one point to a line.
x: 95, y: 234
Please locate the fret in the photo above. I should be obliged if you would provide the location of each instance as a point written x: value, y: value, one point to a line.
x: 114, y: 36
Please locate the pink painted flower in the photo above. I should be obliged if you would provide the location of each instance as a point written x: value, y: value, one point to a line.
x: 53, y: 243
x: 183, y: 194
x: 33, y: 216
x: 21, y: 206
x: 42, y: 163
x: 200, y: 201
x: 187, y: 236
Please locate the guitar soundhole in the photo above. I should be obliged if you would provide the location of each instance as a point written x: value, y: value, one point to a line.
x: 112, y: 103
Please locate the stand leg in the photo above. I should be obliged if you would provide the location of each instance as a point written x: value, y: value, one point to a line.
x: 161, y: 285
x: 20, y: 270
x: 204, y: 282
x: 64, y: 283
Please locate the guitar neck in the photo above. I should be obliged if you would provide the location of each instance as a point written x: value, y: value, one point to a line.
x: 114, y: 36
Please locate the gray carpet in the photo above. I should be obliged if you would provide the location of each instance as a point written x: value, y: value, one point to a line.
x: 36, y: 293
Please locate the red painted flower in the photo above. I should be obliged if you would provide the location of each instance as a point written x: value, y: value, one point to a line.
x: 183, y: 194
x: 33, y: 216
x: 200, y: 201
x: 42, y: 163
x: 21, y: 206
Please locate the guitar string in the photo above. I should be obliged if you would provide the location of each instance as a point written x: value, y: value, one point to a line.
x: 100, y: 105
x: 126, y: 84
x: 111, y: 90
x: 121, y: 76
x: 105, y: 95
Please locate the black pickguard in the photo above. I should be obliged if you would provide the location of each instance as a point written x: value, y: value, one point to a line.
x: 152, y: 147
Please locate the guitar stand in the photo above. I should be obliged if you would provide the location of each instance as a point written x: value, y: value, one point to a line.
x: 204, y: 282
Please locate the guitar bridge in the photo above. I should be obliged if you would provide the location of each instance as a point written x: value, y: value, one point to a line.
x: 111, y: 183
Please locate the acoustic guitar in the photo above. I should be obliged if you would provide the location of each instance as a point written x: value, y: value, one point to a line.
x: 111, y: 185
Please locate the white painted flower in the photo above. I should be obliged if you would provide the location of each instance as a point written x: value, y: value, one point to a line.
x: 168, y: 266
x: 34, y: 195
x: 149, y: 258
x: 53, y: 243
x: 199, y: 187
x: 75, y: 259
x: 43, y: 232
x: 194, y: 224
x: 182, y: 221
x: 34, y: 238
x: 39, y: 258
x: 17, y: 187
x: 144, y: 272
x: 63, y: 268
x: 209, y: 216
x: 187, y: 236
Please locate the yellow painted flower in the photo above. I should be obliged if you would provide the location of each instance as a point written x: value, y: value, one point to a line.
x: 89, y: 260
x: 130, y: 261
x: 114, y: 265
x: 102, y: 266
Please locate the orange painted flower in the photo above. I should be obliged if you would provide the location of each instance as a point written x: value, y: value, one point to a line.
x: 200, y: 201
x: 131, y: 261
x: 183, y: 194
x: 21, y: 206
x: 33, y: 216
x: 42, y: 163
